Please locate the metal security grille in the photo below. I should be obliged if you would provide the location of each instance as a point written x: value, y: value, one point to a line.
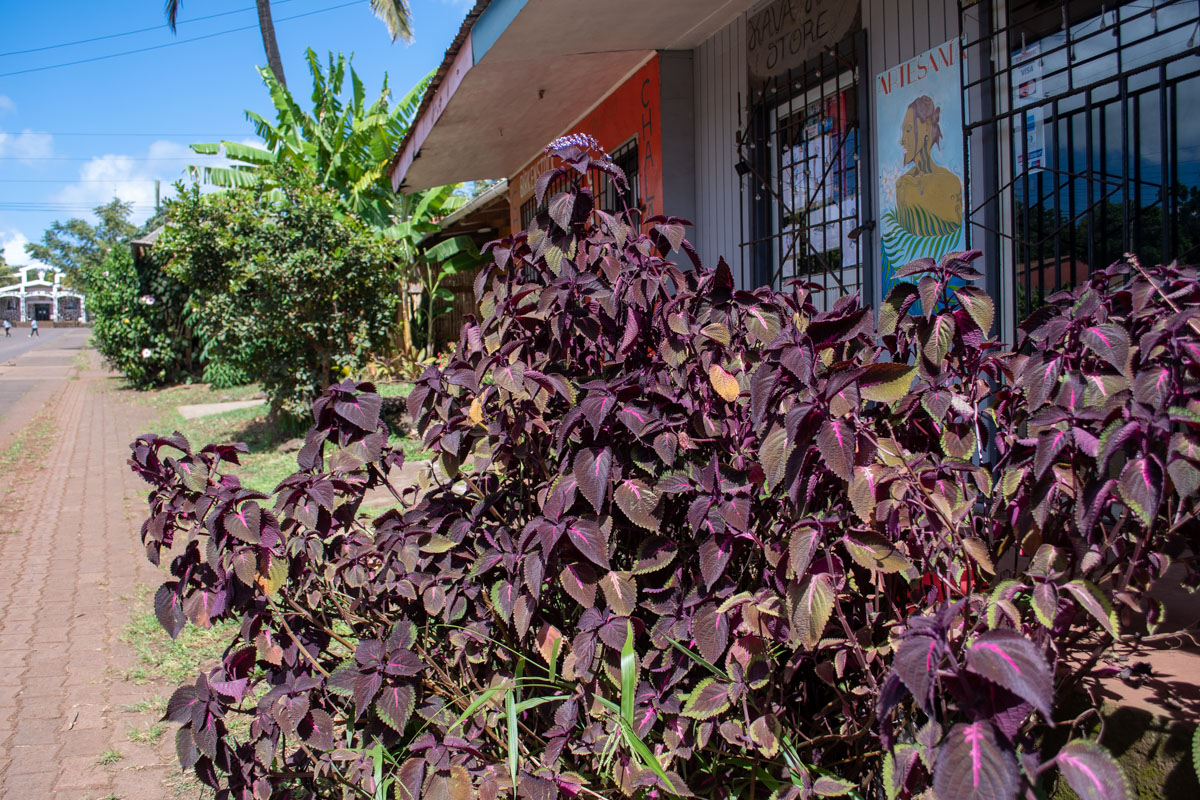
x: 801, y: 158
x: 1082, y: 143
x: 611, y: 198
x: 608, y: 197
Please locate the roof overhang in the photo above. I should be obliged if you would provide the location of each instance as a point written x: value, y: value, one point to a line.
x: 521, y: 72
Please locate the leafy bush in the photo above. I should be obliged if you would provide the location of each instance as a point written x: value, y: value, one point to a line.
x: 288, y: 288
x: 140, y: 323
x: 696, y: 540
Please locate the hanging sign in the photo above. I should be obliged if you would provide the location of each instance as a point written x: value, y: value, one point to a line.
x: 788, y: 33
x: 919, y: 143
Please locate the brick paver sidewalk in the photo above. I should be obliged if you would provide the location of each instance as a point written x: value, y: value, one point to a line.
x: 71, y: 563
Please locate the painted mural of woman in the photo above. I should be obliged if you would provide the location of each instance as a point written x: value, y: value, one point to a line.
x: 929, y: 197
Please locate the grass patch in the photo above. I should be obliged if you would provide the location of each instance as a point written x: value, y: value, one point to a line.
x: 148, y: 735
x: 110, y: 756
x: 402, y: 389
x: 265, y: 465
x: 162, y: 659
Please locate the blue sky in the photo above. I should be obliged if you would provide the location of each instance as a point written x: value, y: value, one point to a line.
x: 72, y: 137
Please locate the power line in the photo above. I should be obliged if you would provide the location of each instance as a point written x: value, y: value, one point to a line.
x: 205, y: 136
x: 131, y: 33
x: 170, y: 44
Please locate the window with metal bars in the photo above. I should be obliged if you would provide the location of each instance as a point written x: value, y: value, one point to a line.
x: 1083, y: 135
x: 613, y: 199
x: 802, y: 165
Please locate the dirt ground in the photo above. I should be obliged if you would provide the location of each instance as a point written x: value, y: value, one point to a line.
x: 72, y: 563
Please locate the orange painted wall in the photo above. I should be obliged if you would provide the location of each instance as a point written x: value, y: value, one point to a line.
x: 631, y: 110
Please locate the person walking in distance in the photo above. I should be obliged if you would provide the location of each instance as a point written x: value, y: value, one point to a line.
x: 7, y: 329
x: 33, y: 330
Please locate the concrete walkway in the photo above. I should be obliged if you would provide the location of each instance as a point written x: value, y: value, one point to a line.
x: 69, y: 515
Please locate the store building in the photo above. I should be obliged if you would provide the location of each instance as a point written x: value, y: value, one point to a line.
x: 835, y: 141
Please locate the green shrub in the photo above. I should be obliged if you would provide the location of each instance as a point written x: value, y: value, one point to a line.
x: 140, y: 321
x: 288, y: 288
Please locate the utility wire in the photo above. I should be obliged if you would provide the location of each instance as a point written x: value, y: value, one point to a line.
x: 131, y: 33
x: 171, y: 44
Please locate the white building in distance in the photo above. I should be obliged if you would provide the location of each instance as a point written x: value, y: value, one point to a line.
x: 41, y: 295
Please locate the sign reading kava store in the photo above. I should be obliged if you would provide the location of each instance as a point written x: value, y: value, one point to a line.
x: 788, y: 33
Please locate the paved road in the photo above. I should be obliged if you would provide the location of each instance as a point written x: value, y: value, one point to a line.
x: 69, y: 512
x: 30, y: 366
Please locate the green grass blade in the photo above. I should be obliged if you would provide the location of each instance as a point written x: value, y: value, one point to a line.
x: 699, y: 659
x: 510, y: 709
x: 629, y: 675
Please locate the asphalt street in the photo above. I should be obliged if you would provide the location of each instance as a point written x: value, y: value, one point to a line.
x: 48, y: 357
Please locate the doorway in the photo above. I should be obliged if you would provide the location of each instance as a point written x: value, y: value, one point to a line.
x: 41, y: 312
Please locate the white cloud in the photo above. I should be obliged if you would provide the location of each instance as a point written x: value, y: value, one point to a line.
x: 6, y: 105
x: 12, y: 244
x: 131, y: 178
x: 27, y: 144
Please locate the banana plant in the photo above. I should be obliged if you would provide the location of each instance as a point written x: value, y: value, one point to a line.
x: 345, y: 143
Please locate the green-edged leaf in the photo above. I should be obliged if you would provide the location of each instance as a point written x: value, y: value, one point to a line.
x: 1141, y: 488
x: 762, y: 324
x: 717, y: 332
x: 829, y: 786
x: 708, y: 699
x: 938, y: 339
x: 874, y: 552
x: 394, y: 705
x: 639, y: 502
x: 886, y: 382
x: 1088, y: 595
x: 1110, y: 342
x: 812, y: 605
x: 862, y: 492
x: 1092, y: 771
x: 620, y: 591
x: 978, y: 305
x: 836, y: 443
x: 801, y: 548
x: 972, y: 765
x: 1045, y: 603
x: 772, y: 454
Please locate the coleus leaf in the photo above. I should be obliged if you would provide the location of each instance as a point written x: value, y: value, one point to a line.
x: 897, y: 766
x: 579, y: 581
x: 1092, y: 771
x: 1014, y: 662
x: 1049, y: 444
x: 829, y: 786
x: 938, y: 339
x: 836, y: 442
x: 504, y: 597
x: 654, y: 553
x: 725, y: 384
x: 620, y: 590
x: 801, y: 548
x: 1095, y: 603
x: 710, y: 631
x: 245, y: 523
x: 972, y: 765
x: 1141, y: 488
x: 979, y: 306
x: 394, y: 705
x: 886, y: 382
x: 168, y: 609
x: 812, y: 604
x: 707, y: 700
x: 639, y: 502
x: 772, y: 455
x: 876, y: 553
x: 763, y: 324
x: 918, y: 658
x: 592, y: 469
x: 1110, y: 342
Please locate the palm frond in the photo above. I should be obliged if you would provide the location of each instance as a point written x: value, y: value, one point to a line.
x: 397, y: 16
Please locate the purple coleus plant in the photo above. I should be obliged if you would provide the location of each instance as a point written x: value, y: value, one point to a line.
x: 684, y: 539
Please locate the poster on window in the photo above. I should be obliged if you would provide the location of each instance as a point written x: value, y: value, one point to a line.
x: 1028, y: 90
x: 919, y: 142
x: 819, y: 185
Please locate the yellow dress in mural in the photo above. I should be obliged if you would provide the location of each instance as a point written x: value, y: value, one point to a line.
x: 929, y: 197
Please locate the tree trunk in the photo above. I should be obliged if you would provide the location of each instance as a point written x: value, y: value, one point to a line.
x: 267, y: 27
